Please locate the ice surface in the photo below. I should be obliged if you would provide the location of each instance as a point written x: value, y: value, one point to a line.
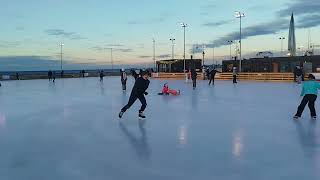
x: 70, y: 131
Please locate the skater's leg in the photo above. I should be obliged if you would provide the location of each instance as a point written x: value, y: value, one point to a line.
x: 210, y: 81
x: 302, y: 105
x: 213, y: 81
x: 143, y: 102
x: 234, y: 78
x: 132, y: 99
x: 312, y: 99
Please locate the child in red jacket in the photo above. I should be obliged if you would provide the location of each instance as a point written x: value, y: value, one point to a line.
x: 167, y: 91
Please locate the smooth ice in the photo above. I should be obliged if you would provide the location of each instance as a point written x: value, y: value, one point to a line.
x: 70, y: 131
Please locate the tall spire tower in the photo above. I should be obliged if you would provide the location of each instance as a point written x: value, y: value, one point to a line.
x: 292, y: 38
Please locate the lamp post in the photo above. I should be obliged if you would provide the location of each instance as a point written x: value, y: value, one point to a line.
x: 212, y: 55
x: 172, y: 40
x: 281, y: 39
x: 240, y: 15
x: 111, y: 57
x: 184, y: 25
x: 230, y: 44
x: 154, y: 53
x: 61, y: 45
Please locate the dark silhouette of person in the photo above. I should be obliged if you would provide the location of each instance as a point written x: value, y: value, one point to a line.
x: 62, y: 74
x: 50, y: 75
x: 194, y: 78
x: 123, y: 79
x: 234, y: 75
x: 212, y: 75
x: 17, y: 76
x: 101, y: 75
x: 134, y: 74
x: 138, y: 92
x: 53, y: 76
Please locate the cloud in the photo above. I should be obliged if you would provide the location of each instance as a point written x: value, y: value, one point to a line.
x: 9, y: 44
x: 164, y: 56
x: 64, y: 34
x: 100, y: 48
x: 219, y: 23
x: 97, y: 48
x: 309, y: 21
x: 20, y: 28
x: 115, y: 45
x: 125, y: 50
x: 305, y: 11
x: 299, y: 7
x: 144, y: 57
x: 147, y: 21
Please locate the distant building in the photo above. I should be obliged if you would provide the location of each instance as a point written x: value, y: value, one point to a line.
x: 292, y: 38
x: 275, y: 64
x: 176, y: 65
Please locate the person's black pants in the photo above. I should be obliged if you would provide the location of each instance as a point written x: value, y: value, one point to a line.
x: 310, y: 100
x: 132, y: 99
x: 194, y: 83
x: 211, y: 80
x: 124, y: 84
x: 234, y: 78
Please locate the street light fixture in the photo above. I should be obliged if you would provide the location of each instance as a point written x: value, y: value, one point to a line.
x: 281, y: 39
x: 154, y: 53
x: 172, y: 40
x: 240, y: 15
x: 111, y: 57
x: 184, y: 25
x: 230, y: 44
x: 61, y: 45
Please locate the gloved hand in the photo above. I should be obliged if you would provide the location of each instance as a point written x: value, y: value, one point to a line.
x: 145, y: 93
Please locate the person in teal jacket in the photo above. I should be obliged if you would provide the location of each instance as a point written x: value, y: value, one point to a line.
x: 309, y: 93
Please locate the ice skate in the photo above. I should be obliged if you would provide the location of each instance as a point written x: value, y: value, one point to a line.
x: 121, y: 114
x: 296, y: 117
x: 141, y: 115
x: 314, y: 117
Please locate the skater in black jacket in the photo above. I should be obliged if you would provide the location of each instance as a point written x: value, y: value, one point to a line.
x: 138, y: 92
x: 194, y: 78
x: 213, y: 73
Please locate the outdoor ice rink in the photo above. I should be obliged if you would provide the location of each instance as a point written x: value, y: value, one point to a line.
x: 70, y: 131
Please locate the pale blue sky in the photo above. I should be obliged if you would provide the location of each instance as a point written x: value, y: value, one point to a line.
x: 36, y: 27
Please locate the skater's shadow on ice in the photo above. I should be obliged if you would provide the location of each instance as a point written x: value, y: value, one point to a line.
x: 308, y: 137
x: 139, y: 144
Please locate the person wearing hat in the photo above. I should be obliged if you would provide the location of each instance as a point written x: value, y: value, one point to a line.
x: 309, y: 93
x: 123, y: 79
x: 138, y: 92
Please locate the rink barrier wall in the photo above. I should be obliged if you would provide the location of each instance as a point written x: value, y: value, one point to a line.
x: 281, y: 77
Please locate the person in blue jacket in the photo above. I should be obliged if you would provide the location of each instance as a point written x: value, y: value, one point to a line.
x: 309, y: 93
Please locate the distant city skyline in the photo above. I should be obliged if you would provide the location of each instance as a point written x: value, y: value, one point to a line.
x: 32, y: 30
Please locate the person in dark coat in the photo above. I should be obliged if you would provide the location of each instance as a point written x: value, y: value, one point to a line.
x: 50, y: 75
x: 17, y: 76
x: 101, y: 75
x: 134, y: 74
x: 123, y: 79
x: 234, y: 75
x: 62, y: 74
x: 53, y: 76
x: 194, y: 78
x: 212, y: 75
x: 298, y: 74
x: 138, y: 92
